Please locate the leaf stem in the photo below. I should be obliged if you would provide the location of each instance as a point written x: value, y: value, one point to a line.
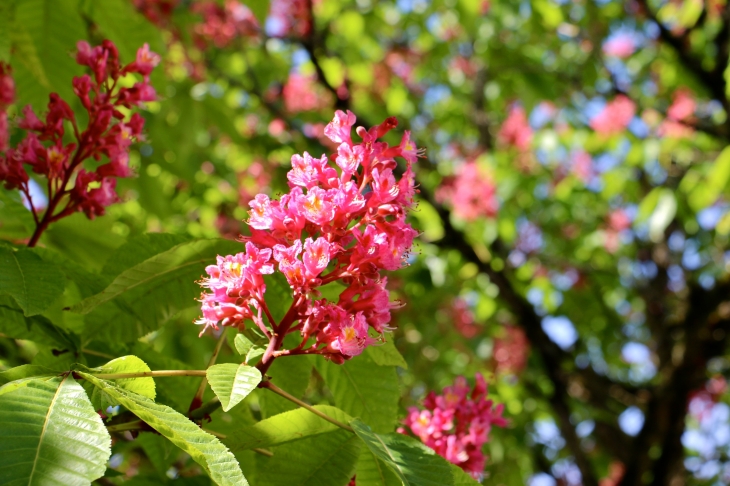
x: 148, y: 374
x: 206, y: 409
x: 279, y: 391
x: 198, y: 398
x: 137, y: 424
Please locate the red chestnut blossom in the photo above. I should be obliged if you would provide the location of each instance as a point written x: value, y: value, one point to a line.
x: 472, y: 194
x: 680, y: 112
x: 457, y: 423
x: 516, y: 131
x: 333, y: 225
x: 618, y: 221
x: 511, y: 351
x: 157, y: 11
x: 303, y: 93
x: 107, y: 136
x: 615, y: 117
x: 222, y: 24
x: 290, y: 18
x: 463, y: 318
x: 7, y: 95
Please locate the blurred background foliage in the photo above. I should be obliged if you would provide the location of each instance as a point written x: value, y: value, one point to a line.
x: 585, y: 269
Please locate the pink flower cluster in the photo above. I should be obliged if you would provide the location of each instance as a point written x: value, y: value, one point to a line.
x: 679, y: 116
x: 511, y: 351
x: 107, y: 136
x: 291, y: 18
x: 615, y: 117
x: 516, y: 131
x: 222, y: 24
x: 340, y: 222
x: 302, y: 93
x: 471, y: 194
x: 158, y: 12
x: 7, y: 96
x: 457, y: 423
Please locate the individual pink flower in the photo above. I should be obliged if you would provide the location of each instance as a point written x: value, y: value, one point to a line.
x: 615, y: 117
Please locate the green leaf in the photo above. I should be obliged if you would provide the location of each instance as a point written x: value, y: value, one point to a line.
x: 386, y: 354
x: 260, y: 9
x: 149, y: 275
x: 245, y: 347
x: 413, y: 463
x: 461, y: 478
x: 128, y: 29
x: 53, y: 27
x: 17, y: 221
x: 50, y: 434
x: 87, y: 242
x: 232, y: 383
x: 36, y: 328
x: 325, y: 460
x: 33, y: 283
x: 286, y: 427
x: 205, y: 449
x: 24, y: 371
x: 147, y: 295
x: 364, y: 390
x: 291, y: 374
x: 371, y: 471
x: 144, y: 386
x: 174, y: 392
x: 6, y: 13
x: 161, y: 452
x: 138, y: 249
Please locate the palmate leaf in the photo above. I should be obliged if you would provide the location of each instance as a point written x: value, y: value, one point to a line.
x: 50, y: 434
x: 232, y: 383
x: 33, y: 283
x: 286, y: 427
x: 325, y: 460
x: 204, y: 448
x: 364, y: 390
